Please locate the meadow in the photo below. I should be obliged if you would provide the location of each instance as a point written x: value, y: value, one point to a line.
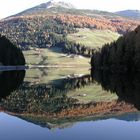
x: 54, y: 57
x: 93, y: 38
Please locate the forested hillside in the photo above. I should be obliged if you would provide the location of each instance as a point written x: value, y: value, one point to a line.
x: 51, y: 30
x: 41, y: 27
x: 122, y: 55
x: 38, y: 26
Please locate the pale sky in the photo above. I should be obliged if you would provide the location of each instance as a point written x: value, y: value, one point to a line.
x: 10, y: 7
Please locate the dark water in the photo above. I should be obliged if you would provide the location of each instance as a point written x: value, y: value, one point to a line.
x: 50, y: 104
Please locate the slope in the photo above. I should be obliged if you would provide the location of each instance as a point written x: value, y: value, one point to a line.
x: 93, y: 38
x: 46, y: 26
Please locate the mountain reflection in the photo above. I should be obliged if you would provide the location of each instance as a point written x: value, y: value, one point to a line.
x: 51, y: 104
x: 10, y: 81
x: 47, y: 98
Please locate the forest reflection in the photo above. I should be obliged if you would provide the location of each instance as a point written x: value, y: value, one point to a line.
x: 10, y: 81
x: 41, y: 103
x: 53, y: 97
x: 126, y: 86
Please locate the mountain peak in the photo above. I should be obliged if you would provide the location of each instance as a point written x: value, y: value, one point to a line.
x: 58, y: 3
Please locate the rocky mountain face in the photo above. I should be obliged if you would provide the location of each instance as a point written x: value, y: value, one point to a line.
x: 52, y: 5
x: 62, y: 4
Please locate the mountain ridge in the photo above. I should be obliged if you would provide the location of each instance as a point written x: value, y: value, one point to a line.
x: 47, y: 7
x: 56, y: 6
x: 60, y: 6
x: 39, y: 22
x: 53, y: 3
x: 129, y: 13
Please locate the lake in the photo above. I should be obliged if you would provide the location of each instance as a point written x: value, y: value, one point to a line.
x: 69, y: 104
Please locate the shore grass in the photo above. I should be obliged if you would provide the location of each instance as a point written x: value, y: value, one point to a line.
x: 54, y: 56
x: 47, y: 75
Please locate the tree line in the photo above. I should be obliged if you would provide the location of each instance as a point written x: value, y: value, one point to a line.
x: 9, y: 53
x: 43, y: 33
x: 55, y: 40
x: 122, y: 55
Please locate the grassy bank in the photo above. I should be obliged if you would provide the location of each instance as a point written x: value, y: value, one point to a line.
x: 47, y: 75
x: 54, y: 56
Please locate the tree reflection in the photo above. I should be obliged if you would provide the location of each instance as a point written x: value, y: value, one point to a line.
x: 47, y: 98
x: 43, y: 103
x: 10, y: 81
x: 126, y: 86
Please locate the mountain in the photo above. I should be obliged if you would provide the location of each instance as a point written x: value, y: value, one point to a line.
x: 130, y: 13
x: 54, y: 3
x: 49, y: 6
x: 49, y: 24
x: 56, y: 6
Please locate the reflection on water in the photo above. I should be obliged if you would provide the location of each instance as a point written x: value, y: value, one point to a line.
x: 127, y: 87
x: 110, y: 129
x: 10, y: 81
x: 63, y: 99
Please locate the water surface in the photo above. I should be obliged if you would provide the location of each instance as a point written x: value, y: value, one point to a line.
x: 69, y: 104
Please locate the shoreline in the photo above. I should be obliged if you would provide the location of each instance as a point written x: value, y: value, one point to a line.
x: 10, y: 68
x: 55, y: 66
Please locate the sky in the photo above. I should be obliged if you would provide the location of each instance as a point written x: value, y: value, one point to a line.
x: 10, y: 7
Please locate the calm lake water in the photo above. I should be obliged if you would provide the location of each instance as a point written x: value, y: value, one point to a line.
x: 69, y: 104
